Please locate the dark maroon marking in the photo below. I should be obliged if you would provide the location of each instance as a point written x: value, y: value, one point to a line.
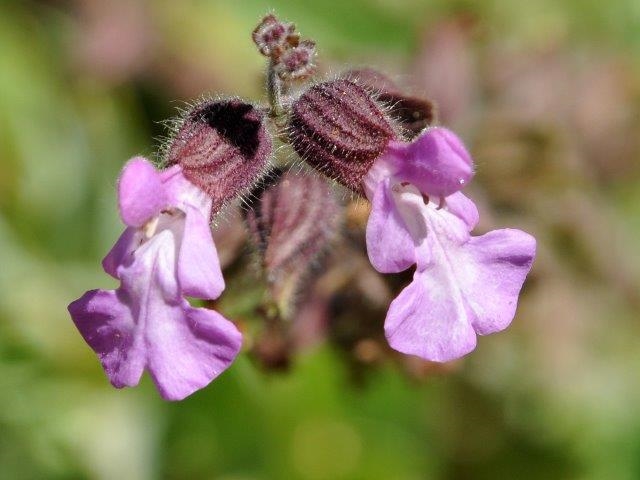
x: 223, y: 148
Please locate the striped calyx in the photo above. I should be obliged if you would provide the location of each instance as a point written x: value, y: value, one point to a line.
x: 223, y: 147
x: 411, y: 113
x: 339, y: 129
x: 292, y: 218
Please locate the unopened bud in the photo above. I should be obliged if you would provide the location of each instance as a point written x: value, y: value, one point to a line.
x: 223, y: 148
x: 292, y: 219
x: 297, y: 63
x: 413, y: 114
x: 340, y: 130
x: 272, y: 36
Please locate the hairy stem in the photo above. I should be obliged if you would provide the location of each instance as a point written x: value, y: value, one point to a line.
x: 274, y: 90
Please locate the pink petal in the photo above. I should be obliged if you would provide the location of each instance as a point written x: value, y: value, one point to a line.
x: 182, y: 193
x: 141, y: 195
x: 198, y: 264
x: 436, y: 162
x: 122, y: 251
x: 105, y: 322
x: 185, y: 348
x: 463, y: 208
x: 199, y: 270
x: 147, y: 323
x: 389, y: 245
x: 150, y: 279
x: 503, y: 259
x: 462, y: 284
x: 189, y: 348
x: 428, y: 321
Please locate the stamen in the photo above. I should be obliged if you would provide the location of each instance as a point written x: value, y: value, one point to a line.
x: 150, y: 227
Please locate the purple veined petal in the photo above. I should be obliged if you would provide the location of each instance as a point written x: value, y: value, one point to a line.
x: 105, y: 322
x: 122, y: 251
x: 189, y: 348
x: 427, y: 319
x: 464, y: 208
x: 436, y: 162
x: 141, y: 195
x: 389, y: 244
x: 503, y: 258
x: 199, y: 270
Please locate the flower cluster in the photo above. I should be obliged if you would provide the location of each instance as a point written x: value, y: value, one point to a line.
x: 361, y: 131
x: 291, y: 58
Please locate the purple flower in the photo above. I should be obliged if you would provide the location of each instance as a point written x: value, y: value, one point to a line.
x: 165, y: 253
x: 463, y: 285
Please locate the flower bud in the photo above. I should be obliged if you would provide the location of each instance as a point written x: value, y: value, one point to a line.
x: 413, y: 114
x: 272, y: 36
x: 223, y: 147
x: 340, y: 130
x: 292, y: 219
x: 297, y: 63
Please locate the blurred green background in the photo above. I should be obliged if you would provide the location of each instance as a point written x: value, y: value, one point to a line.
x: 547, y: 96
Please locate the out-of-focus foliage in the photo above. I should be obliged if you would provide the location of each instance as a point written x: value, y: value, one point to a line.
x: 547, y: 95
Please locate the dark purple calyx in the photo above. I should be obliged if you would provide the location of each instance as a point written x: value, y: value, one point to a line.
x: 340, y: 130
x: 223, y: 147
x: 413, y: 114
